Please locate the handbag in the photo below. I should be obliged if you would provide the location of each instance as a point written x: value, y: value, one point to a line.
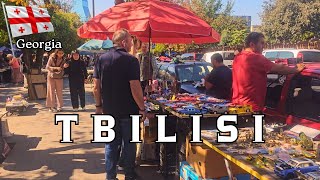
x: 58, y: 74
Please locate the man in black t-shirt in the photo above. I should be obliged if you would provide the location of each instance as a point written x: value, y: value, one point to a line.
x: 118, y: 92
x: 219, y: 82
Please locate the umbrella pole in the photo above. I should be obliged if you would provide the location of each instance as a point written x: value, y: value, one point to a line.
x: 150, y: 57
x: 150, y: 42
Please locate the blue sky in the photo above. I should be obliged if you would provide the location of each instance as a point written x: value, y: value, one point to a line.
x: 241, y: 8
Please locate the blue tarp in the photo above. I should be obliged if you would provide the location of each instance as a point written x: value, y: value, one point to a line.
x: 95, y: 45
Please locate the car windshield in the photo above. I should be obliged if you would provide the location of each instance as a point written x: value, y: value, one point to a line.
x: 273, y: 55
x: 192, y: 73
x: 199, y: 57
x: 228, y: 56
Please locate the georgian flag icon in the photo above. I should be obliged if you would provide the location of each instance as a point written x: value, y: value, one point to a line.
x: 28, y: 20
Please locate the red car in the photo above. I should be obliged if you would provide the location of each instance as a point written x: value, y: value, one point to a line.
x: 295, y: 99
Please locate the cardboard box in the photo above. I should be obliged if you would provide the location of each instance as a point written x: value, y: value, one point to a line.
x: 35, y: 71
x: 187, y: 172
x: 148, y: 152
x: 208, y: 163
x: 38, y: 79
x: 40, y: 90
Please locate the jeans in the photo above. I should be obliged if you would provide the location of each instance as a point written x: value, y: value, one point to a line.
x: 123, y: 134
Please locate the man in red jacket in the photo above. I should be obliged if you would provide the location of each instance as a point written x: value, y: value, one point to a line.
x: 249, y: 73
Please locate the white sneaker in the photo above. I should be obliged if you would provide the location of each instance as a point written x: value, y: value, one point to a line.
x: 75, y: 110
x: 83, y: 109
x: 59, y: 109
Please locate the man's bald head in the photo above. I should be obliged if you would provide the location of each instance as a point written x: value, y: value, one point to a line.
x: 122, y: 38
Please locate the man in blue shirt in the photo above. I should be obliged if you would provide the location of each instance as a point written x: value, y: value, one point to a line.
x: 118, y: 92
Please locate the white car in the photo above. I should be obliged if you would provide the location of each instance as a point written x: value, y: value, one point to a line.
x: 307, y: 55
x: 228, y: 57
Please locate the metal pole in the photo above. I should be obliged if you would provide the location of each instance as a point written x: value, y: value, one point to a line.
x: 9, y: 32
x: 93, y: 9
x: 150, y: 57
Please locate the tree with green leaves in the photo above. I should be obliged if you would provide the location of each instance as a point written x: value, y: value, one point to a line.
x: 291, y: 20
x: 233, y: 30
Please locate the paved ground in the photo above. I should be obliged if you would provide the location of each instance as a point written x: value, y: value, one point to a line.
x: 38, y: 154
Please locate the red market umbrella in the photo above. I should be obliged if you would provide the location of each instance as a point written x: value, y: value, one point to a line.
x: 163, y: 22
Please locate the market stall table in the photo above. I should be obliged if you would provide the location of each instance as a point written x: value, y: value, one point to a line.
x: 240, y: 161
x: 183, y: 126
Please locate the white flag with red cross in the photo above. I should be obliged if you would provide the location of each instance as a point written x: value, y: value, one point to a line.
x: 28, y: 20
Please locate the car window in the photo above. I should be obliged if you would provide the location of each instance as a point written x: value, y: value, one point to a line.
x: 309, y: 56
x: 199, y: 57
x: 271, y: 55
x: 292, y: 163
x: 285, y: 55
x: 228, y: 55
x: 191, y: 73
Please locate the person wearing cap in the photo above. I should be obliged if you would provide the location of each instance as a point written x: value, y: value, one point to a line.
x: 77, y: 71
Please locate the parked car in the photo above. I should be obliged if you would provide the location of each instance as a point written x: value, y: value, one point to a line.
x: 191, y: 57
x: 182, y: 76
x: 295, y: 99
x: 228, y: 57
x: 306, y: 55
x: 303, y: 165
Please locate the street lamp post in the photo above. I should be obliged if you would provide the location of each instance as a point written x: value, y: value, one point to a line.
x: 93, y: 13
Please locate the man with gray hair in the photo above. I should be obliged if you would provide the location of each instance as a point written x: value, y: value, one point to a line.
x: 218, y: 83
x: 118, y: 92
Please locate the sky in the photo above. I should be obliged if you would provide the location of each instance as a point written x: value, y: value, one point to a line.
x: 241, y: 8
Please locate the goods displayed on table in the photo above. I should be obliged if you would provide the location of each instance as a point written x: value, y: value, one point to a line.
x: 16, y: 104
x: 287, y: 153
x: 199, y: 104
x: 151, y: 107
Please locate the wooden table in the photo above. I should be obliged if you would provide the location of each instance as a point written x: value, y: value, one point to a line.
x: 240, y: 161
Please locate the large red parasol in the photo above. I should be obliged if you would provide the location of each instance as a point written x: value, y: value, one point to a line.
x: 162, y: 21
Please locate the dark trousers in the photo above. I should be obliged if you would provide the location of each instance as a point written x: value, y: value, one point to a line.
x: 123, y: 134
x: 77, y: 91
x: 144, y: 85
